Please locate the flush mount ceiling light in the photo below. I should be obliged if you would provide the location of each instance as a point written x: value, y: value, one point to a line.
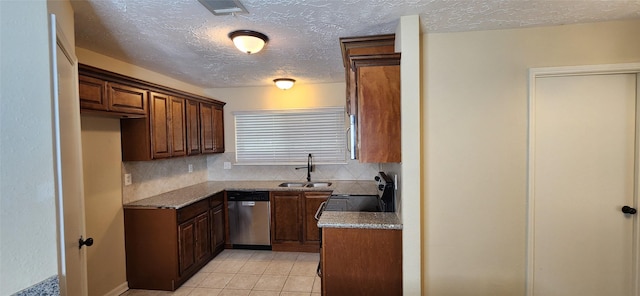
x: 247, y: 41
x: 284, y: 83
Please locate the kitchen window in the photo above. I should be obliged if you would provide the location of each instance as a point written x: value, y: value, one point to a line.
x: 283, y: 137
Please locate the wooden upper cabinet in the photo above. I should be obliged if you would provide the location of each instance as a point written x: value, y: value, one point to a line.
x: 168, y: 126
x: 372, y: 72
x: 361, y: 46
x: 157, y: 121
x: 178, y: 126
x: 160, y: 114
x: 212, y: 128
x: 379, y: 110
x: 111, y: 98
x: 93, y: 93
x: 193, y: 127
x: 127, y: 99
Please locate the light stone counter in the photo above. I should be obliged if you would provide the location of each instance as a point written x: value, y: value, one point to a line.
x: 185, y: 196
x: 364, y: 220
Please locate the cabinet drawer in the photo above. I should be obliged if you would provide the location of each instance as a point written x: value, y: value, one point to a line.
x: 192, y: 210
x: 216, y: 200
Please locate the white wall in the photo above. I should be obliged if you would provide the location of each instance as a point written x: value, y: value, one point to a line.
x: 475, y: 134
x: 27, y: 202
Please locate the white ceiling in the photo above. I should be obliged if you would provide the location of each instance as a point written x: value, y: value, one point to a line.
x: 183, y: 40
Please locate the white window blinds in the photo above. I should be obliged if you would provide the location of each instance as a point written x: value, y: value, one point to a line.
x: 288, y: 136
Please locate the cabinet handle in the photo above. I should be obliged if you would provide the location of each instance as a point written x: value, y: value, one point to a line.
x: 319, y: 211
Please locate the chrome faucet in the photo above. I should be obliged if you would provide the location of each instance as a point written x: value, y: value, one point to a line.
x: 309, y: 167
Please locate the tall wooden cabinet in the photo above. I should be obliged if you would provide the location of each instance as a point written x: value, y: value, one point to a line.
x: 372, y: 72
x: 157, y: 121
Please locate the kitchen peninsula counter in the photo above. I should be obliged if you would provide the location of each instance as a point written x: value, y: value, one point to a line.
x: 360, y: 220
x: 182, y: 197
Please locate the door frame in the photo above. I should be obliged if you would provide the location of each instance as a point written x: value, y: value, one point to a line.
x: 535, y: 73
x: 57, y: 39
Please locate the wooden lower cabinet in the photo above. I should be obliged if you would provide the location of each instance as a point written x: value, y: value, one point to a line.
x: 165, y: 247
x: 293, y: 226
x: 365, y: 262
x: 312, y: 201
x: 194, y: 244
x: 218, y: 229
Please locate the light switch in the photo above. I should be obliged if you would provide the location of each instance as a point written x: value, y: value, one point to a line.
x: 190, y: 168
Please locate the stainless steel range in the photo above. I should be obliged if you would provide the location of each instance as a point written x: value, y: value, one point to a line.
x: 383, y: 202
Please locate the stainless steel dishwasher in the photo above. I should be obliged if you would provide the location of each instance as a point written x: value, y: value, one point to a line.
x: 249, y: 219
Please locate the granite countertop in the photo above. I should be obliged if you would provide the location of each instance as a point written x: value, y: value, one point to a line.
x: 182, y: 197
x: 364, y: 220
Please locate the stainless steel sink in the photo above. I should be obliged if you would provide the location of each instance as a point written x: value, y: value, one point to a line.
x: 292, y: 184
x: 318, y: 184
x: 305, y: 184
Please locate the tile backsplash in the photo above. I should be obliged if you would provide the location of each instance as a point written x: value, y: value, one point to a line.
x: 151, y: 178
x: 353, y: 170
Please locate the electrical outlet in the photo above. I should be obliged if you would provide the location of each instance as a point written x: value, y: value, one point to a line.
x: 127, y: 179
x: 227, y: 165
x: 190, y: 168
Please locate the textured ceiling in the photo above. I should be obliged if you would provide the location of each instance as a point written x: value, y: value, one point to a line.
x: 183, y: 40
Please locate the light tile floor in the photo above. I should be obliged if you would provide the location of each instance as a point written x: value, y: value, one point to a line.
x: 251, y: 273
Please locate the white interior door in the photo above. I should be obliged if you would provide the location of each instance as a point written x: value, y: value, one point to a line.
x: 68, y: 166
x: 582, y: 172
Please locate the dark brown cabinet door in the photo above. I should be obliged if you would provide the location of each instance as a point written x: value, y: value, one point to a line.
x: 93, y: 93
x: 193, y: 242
x: 312, y: 201
x: 186, y: 245
x: 379, y: 113
x: 218, y: 130
x: 217, y: 228
x: 178, y: 126
x: 212, y: 128
x: 193, y: 127
x: 127, y: 99
x: 286, y: 225
x: 160, y: 128
x: 168, y: 126
x: 202, y: 243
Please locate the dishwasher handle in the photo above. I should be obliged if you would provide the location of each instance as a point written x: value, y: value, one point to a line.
x: 319, y: 211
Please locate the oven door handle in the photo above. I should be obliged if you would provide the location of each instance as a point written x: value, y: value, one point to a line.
x: 319, y: 211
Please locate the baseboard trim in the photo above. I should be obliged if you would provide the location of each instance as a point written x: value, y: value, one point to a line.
x: 119, y: 290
